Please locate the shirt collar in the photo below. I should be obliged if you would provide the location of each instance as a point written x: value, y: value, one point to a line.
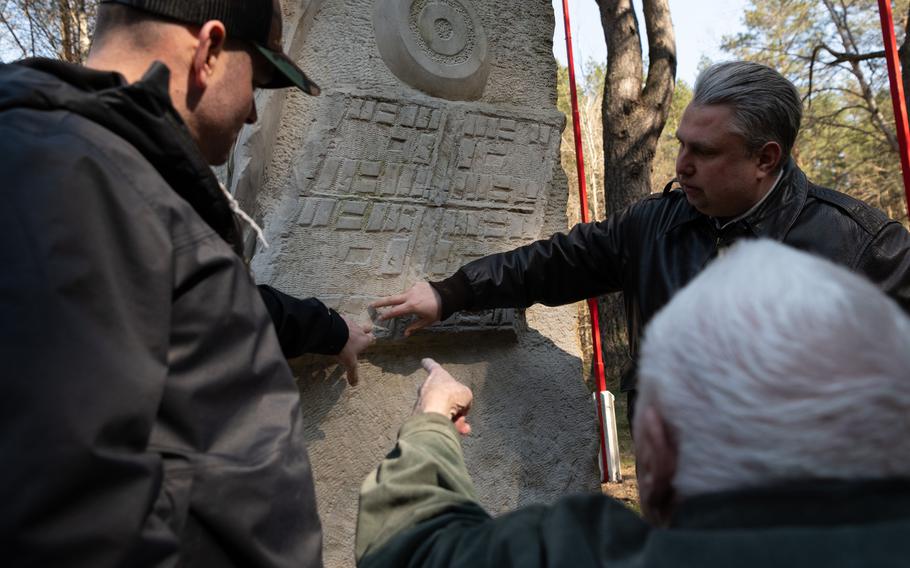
x: 721, y: 226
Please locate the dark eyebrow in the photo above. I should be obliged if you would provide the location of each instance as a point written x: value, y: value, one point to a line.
x: 696, y: 146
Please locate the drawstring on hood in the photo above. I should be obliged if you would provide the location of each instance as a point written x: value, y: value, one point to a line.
x: 235, y: 207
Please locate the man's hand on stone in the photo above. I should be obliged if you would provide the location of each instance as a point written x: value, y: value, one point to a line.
x: 421, y: 300
x: 444, y: 395
x: 360, y: 336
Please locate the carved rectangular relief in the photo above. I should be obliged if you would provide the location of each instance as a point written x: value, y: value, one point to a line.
x: 403, y: 191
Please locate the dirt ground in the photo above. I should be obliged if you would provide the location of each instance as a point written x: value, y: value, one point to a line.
x: 627, y: 490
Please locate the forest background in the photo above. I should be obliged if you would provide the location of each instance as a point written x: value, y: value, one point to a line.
x: 832, y: 51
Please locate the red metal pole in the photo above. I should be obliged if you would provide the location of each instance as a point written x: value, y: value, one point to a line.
x: 897, y: 92
x: 586, y: 217
x: 576, y: 123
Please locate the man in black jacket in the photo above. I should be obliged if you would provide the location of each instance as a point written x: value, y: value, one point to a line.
x: 737, y: 181
x: 773, y: 430
x: 148, y: 415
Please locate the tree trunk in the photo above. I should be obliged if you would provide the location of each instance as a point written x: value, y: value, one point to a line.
x: 635, y: 109
x: 67, y: 41
x: 634, y: 113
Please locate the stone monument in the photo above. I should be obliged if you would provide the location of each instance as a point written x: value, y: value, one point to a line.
x: 435, y: 142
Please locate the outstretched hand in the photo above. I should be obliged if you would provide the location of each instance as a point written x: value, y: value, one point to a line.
x: 442, y: 394
x: 421, y: 300
x: 360, y: 336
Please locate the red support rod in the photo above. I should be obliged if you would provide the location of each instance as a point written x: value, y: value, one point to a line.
x: 897, y: 92
x: 586, y: 217
x: 583, y: 194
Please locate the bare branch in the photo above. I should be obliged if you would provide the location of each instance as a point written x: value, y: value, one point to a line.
x: 13, y: 34
x: 845, y: 57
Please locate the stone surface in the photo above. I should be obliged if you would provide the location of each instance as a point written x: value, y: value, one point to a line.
x: 375, y: 185
x: 437, y: 46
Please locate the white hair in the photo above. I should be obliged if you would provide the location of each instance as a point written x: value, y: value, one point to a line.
x: 774, y: 365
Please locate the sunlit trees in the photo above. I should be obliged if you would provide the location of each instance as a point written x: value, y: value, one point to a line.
x: 590, y: 104
x: 59, y: 29
x: 832, y: 50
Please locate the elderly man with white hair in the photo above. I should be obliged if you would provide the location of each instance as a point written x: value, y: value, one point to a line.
x: 773, y: 430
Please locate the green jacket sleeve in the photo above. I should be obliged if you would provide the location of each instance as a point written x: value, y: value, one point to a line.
x: 422, y: 476
x: 418, y: 509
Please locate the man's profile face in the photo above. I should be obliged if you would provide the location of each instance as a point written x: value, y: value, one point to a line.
x: 228, y: 102
x: 716, y: 172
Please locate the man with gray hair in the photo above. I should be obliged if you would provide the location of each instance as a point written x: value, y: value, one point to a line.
x: 773, y: 429
x: 737, y: 180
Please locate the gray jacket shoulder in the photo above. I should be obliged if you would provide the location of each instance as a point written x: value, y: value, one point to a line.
x: 89, y: 157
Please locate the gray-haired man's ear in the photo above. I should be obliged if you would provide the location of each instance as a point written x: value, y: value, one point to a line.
x: 655, y: 459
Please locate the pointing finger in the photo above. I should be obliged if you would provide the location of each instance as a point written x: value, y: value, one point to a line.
x: 352, y: 374
x: 429, y: 365
x: 389, y: 301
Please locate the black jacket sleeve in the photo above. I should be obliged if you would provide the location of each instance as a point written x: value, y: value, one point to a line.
x: 585, y: 262
x: 886, y: 261
x: 304, y: 326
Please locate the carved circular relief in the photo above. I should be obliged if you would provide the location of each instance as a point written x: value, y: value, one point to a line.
x: 437, y: 46
x: 444, y: 31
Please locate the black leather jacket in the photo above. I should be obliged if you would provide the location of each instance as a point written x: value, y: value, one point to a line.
x: 653, y: 248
